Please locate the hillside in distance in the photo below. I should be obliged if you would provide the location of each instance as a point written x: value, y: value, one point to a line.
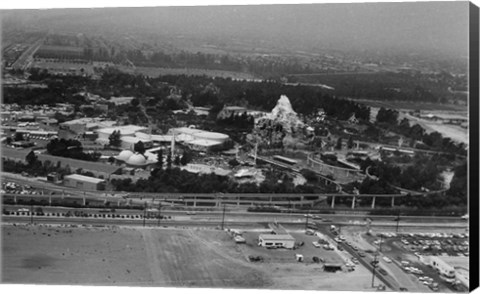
x: 435, y: 27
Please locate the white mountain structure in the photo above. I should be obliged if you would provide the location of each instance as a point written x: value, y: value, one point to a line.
x: 284, y: 114
x: 278, y: 128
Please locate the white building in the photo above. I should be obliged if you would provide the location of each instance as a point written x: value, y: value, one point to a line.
x: 198, y: 139
x: 128, y: 130
x: 129, y: 142
x: 276, y: 241
x: 84, y: 182
x: 134, y: 159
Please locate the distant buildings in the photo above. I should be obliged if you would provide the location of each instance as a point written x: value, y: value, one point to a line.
x: 228, y: 111
x: 83, y: 125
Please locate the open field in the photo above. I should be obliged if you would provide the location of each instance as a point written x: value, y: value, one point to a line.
x: 411, y: 105
x: 156, y: 71
x: 160, y: 257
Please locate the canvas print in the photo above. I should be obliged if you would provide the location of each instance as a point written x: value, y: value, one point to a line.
x: 295, y: 147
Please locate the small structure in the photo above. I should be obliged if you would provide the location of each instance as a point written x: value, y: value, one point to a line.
x: 299, y: 257
x: 84, y: 182
x: 276, y: 241
x: 53, y: 177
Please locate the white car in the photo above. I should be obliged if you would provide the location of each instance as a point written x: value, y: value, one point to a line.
x: 388, y: 260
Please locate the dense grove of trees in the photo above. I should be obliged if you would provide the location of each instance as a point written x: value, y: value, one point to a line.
x: 176, y: 180
x: 389, y: 86
x: 34, y: 167
x: 70, y: 149
x: 422, y: 175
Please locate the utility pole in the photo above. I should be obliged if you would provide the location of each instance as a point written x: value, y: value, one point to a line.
x: 381, y: 242
x: 31, y: 212
x: 144, y: 213
x: 223, y: 216
x: 398, y: 220
x: 159, y: 212
x: 306, y: 222
x: 374, y: 264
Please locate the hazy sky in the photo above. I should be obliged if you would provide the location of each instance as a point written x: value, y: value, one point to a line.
x: 439, y: 27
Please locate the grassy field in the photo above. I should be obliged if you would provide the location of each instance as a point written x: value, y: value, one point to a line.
x: 160, y: 257
x: 410, y: 105
x: 156, y: 71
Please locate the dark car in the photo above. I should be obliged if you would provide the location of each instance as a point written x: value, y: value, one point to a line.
x: 403, y: 289
x: 382, y: 271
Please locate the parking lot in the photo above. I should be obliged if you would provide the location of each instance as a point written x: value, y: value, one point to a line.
x: 308, y: 249
x: 403, y: 250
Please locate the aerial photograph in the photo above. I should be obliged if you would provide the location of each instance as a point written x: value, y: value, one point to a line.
x: 286, y: 147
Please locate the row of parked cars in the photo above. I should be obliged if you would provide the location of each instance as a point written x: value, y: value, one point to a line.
x: 424, y: 235
x: 14, y: 188
x: 453, y: 247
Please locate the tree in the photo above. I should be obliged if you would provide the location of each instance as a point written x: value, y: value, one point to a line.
x: 114, y: 139
x: 169, y: 161
x: 139, y: 147
x: 160, y: 158
x: 186, y: 158
x: 31, y: 158
x: 135, y: 102
x: 176, y: 161
x: 350, y: 142
x: 18, y: 137
x: 233, y: 162
x: 9, y: 140
x: 339, y: 144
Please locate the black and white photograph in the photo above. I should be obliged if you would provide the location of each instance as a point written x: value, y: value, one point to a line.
x: 290, y: 146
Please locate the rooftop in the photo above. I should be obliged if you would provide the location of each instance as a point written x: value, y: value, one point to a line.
x: 128, y: 129
x: 276, y: 237
x: 84, y: 179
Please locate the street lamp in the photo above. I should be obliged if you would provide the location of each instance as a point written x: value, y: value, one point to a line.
x: 223, y: 216
x: 159, y: 216
x: 374, y: 264
x: 398, y: 220
x: 306, y: 221
x: 144, y: 212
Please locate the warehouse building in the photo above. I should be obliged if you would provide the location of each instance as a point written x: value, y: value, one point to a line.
x: 84, y: 182
x: 125, y: 131
x: 198, y: 140
x: 276, y: 241
x: 128, y: 143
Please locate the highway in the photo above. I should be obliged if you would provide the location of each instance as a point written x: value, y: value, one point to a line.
x: 127, y: 216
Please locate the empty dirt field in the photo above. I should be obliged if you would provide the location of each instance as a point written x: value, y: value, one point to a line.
x: 155, y: 257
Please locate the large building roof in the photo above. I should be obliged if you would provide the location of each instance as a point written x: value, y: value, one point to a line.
x: 137, y: 160
x: 204, y: 143
x: 124, y: 155
x: 86, y: 179
x: 134, y: 140
x: 276, y: 237
x: 124, y: 130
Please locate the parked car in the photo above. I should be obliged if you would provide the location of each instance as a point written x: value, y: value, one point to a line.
x: 382, y: 271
